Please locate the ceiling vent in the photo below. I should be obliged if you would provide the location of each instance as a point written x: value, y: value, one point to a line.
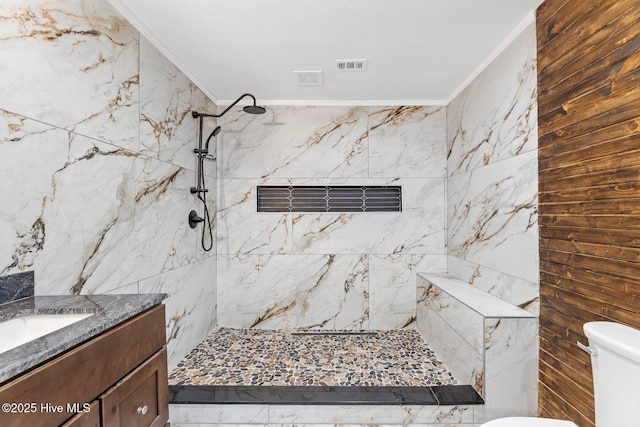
x: 309, y: 78
x: 351, y: 64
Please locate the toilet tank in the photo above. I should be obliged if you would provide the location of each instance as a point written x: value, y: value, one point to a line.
x: 616, y: 373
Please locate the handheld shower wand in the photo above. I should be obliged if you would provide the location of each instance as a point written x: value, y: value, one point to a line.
x: 215, y: 132
x: 205, y: 150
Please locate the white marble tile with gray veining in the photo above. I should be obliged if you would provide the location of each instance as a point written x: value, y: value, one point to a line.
x: 325, y: 425
x: 22, y: 231
x: 392, y: 287
x: 351, y: 233
x: 446, y: 424
x: 72, y: 161
x: 514, y: 290
x: 116, y: 199
x: 472, y: 298
x: 363, y: 414
x: 492, y: 216
x: 110, y: 243
x: 511, y: 351
x: 495, y: 117
x: 206, y: 414
x: 242, y: 230
x: 293, y: 291
x: 129, y: 288
x: 457, y: 354
x: 418, y: 229
x: 464, y: 320
x: 167, y: 130
x: 190, y: 306
x: 294, y: 142
x: 407, y: 142
x: 72, y: 65
x: 162, y: 239
x: 336, y: 296
x: 256, y: 290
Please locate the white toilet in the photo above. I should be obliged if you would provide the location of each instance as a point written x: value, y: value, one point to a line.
x: 615, y: 364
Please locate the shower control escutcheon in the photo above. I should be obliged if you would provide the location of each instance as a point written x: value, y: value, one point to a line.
x: 194, y: 219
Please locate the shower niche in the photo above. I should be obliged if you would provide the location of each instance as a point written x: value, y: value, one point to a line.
x: 329, y: 198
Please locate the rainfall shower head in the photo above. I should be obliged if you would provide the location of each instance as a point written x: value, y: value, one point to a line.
x: 251, y: 109
x: 254, y: 109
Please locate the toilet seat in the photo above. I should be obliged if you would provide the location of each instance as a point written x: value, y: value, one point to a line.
x: 528, y: 422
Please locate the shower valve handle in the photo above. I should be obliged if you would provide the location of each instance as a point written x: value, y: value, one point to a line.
x: 194, y: 219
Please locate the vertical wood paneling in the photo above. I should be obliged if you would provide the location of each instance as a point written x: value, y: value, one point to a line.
x: 589, y: 185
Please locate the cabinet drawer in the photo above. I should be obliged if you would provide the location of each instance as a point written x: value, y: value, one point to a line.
x: 90, y: 418
x: 141, y: 398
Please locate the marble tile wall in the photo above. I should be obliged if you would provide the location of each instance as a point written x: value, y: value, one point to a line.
x: 318, y: 415
x: 510, y: 369
x: 492, y: 237
x: 446, y: 424
x: 328, y: 270
x: 492, y: 182
x: 95, y: 156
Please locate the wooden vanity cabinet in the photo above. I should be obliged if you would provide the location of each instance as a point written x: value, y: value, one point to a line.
x: 121, y: 376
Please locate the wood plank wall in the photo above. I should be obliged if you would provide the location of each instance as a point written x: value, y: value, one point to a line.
x: 589, y: 188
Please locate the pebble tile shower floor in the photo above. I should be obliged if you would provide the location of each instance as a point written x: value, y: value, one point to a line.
x: 255, y: 357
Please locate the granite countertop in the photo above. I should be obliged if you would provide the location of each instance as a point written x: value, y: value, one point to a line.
x: 109, y: 310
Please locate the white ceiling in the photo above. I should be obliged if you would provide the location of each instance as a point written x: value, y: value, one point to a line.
x: 419, y: 51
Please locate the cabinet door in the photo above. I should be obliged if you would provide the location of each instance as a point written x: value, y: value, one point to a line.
x: 90, y: 418
x: 141, y: 398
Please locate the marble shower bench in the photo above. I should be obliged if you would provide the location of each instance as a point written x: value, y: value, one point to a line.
x: 484, y: 341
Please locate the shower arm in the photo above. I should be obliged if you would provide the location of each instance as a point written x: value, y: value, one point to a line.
x: 196, y: 114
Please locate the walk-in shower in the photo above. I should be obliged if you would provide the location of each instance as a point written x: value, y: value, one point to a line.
x: 200, y: 190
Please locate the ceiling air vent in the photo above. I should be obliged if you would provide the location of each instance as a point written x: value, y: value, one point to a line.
x: 351, y: 64
x: 309, y: 77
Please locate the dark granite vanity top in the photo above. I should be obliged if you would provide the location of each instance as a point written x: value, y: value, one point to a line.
x: 109, y: 310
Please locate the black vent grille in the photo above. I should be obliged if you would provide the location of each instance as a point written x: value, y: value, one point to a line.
x: 329, y: 198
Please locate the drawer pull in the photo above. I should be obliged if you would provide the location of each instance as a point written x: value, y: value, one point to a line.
x: 142, y: 410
